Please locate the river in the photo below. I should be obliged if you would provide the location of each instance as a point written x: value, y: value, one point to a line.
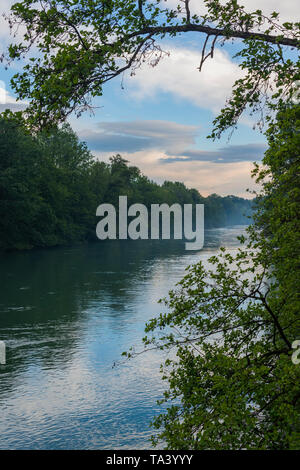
x: 66, y: 315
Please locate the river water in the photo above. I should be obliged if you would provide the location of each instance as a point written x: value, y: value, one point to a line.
x: 66, y: 315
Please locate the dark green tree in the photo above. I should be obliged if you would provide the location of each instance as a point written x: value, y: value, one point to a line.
x: 20, y: 203
x: 232, y: 382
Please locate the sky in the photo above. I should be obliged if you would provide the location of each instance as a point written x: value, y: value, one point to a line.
x: 159, y: 119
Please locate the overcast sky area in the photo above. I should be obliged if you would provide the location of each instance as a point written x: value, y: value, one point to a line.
x: 159, y: 118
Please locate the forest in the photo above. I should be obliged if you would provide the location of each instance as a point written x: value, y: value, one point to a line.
x: 51, y: 185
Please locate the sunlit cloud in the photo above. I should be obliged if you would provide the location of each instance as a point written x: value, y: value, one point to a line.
x: 6, y: 35
x: 177, y: 141
x: 178, y: 74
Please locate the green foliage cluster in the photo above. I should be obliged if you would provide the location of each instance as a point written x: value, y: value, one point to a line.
x: 51, y: 185
x: 233, y: 383
x: 82, y: 44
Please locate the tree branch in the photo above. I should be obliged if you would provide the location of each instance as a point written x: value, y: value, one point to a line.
x: 187, y: 9
x: 284, y: 41
x: 276, y: 322
x: 140, y: 5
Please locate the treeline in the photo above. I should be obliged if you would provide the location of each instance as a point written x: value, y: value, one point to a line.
x: 51, y: 185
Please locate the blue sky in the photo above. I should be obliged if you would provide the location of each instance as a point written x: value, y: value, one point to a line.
x: 159, y: 119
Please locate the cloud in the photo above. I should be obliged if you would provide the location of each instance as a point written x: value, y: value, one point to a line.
x: 175, y: 141
x: 287, y: 9
x: 5, y: 34
x: 14, y: 107
x: 229, y: 154
x: 139, y: 135
x: 178, y: 74
x: 9, y: 102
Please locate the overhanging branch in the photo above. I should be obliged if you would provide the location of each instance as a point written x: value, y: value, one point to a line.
x: 228, y: 33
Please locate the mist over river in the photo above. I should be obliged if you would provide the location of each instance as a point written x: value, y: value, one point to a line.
x: 66, y: 315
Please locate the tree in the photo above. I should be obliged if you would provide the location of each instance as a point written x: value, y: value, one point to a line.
x: 82, y: 44
x: 20, y: 204
x: 45, y: 197
x: 232, y: 383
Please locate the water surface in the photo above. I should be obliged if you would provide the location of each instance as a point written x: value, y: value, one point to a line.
x: 66, y: 315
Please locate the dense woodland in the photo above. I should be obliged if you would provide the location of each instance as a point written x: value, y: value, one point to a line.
x: 51, y: 185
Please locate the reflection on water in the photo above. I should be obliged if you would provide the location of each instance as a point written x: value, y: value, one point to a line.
x: 66, y: 315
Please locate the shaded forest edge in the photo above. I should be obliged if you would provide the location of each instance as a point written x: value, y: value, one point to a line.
x: 51, y: 185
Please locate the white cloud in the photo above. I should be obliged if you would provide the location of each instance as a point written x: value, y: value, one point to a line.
x: 9, y: 102
x: 288, y: 9
x: 178, y: 74
x: 177, y: 141
x: 5, y: 36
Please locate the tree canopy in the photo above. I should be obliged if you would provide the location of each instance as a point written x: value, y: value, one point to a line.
x: 78, y: 45
x: 232, y: 383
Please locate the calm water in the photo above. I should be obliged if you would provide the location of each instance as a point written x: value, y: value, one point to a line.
x: 66, y: 315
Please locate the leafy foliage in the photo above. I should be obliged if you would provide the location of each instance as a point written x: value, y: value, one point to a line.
x: 82, y: 44
x: 232, y: 383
